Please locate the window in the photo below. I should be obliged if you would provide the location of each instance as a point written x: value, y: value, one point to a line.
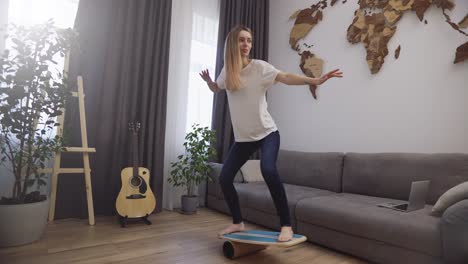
x: 202, y: 56
x: 27, y: 13
x: 31, y: 12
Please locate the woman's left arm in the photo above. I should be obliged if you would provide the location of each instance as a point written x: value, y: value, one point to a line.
x: 294, y: 79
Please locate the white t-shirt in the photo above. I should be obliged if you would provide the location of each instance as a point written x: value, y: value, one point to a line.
x: 248, y: 106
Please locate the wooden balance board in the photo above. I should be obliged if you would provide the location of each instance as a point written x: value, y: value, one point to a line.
x: 246, y: 242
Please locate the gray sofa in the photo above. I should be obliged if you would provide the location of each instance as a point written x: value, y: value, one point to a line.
x: 333, y: 197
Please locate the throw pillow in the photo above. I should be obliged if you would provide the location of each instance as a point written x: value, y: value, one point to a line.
x: 450, y: 197
x: 251, y: 171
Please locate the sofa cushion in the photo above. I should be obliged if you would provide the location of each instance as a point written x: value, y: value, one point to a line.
x: 251, y: 171
x: 359, y: 215
x: 316, y: 170
x: 221, y: 205
x: 240, y: 188
x: 390, y: 174
x: 242, y: 192
x: 259, y: 197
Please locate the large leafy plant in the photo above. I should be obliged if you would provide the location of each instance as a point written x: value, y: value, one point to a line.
x: 192, y: 167
x: 32, y: 92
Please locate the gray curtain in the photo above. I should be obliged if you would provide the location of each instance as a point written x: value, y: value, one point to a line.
x: 123, y: 58
x: 253, y: 14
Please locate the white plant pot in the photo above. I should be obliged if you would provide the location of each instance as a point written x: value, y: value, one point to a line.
x: 22, y: 223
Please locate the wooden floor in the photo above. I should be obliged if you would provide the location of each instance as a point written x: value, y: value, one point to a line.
x: 173, y: 238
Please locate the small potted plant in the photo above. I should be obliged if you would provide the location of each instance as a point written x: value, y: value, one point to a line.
x: 32, y: 92
x: 193, y: 167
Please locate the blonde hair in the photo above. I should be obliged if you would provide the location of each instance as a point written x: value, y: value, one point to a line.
x: 233, y: 58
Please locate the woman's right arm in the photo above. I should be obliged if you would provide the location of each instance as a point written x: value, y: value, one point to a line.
x: 206, y: 77
x: 213, y: 86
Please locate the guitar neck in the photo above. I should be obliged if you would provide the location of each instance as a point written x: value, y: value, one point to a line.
x: 135, y: 154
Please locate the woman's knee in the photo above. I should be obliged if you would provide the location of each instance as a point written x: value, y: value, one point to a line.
x: 269, y: 171
x: 225, y: 179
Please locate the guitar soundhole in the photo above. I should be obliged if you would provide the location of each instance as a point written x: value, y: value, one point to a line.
x: 135, y: 181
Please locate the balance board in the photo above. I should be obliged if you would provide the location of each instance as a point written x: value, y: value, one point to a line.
x: 246, y: 242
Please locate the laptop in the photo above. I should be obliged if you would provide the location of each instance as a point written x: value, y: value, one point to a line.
x: 417, y: 198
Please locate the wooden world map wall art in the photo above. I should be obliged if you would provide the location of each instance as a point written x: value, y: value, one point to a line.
x: 374, y: 24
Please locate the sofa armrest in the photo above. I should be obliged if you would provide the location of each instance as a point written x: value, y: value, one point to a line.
x: 454, y: 225
x: 212, y: 187
x: 216, y: 171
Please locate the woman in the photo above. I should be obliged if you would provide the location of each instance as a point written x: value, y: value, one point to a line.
x: 246, y: 81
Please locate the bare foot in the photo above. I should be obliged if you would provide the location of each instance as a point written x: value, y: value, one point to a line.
x: 232, y: 228
x: 286, y: 234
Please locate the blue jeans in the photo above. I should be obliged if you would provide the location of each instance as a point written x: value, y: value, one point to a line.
x: 238, y: 155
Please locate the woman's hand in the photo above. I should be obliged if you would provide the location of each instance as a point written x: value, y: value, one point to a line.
x: 205, y: 74
x: 335, y: 73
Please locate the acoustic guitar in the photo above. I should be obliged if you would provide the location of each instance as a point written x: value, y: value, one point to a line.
x: 135, y: 199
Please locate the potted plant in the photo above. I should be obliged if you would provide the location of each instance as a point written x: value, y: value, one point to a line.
x: 192, y: 168
x: 32, y: 92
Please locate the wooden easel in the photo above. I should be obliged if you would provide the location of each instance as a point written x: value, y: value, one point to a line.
x: 84, y: 150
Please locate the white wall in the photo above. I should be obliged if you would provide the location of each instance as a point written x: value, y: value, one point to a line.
x: 418, y: 103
